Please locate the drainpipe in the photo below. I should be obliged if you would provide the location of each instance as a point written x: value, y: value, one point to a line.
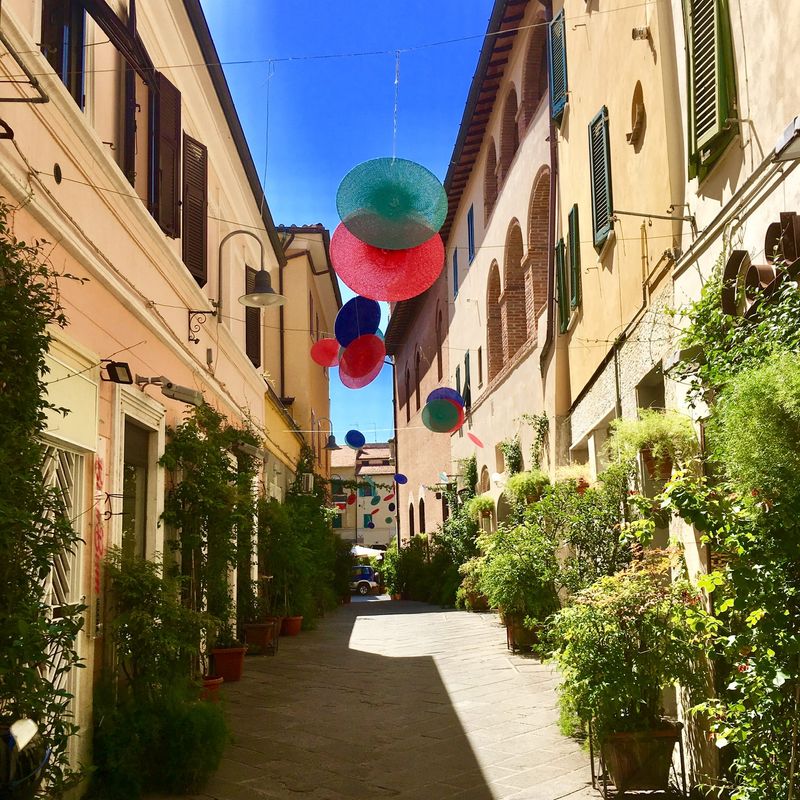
x: 551, y: 228
x: 396, y: 447
x: 281, y: 321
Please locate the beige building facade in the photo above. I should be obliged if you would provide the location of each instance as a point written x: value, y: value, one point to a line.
x: 139, y: 178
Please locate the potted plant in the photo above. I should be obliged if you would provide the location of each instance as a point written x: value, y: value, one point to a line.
x: 210, y: 506
x: 620, y: 643
x: 527, y: 487
x: 480, y: 506
x: 518, y: 577
x: 663, y: 438
x: 469, y: 594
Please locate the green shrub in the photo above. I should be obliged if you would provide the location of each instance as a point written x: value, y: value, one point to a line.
x: 668, y: 435
x: 525, y: 487
x: 519, y: 571
x: 755, y: 432
x: 476, y: 507
x: 621, y: 642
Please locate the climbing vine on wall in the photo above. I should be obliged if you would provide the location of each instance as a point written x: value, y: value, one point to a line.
x: 38, y: 647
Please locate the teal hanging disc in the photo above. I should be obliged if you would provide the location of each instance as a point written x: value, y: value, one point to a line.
x: 440, y: 416
x: 391, y: 203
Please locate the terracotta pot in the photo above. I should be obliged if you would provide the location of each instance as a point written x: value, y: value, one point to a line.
x: 641, y: 760
x: 477, y: 601
x: 518, y: 637
x: 228, y: 662
x: 210, y: 688
x: 486, y: 514
x: 291, y: 626
x: 657, y: 470
x: 260, y: 635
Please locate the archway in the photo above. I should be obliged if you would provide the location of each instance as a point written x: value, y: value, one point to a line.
x: 538, y: 224
x: 494, y: 323
x: 490, y: 180
x: 534, y: 73
x: 509, y: 133
x: 515, y: 327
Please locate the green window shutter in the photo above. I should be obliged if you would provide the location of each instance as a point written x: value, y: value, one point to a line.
x: 600, y: 168
x: 712, y: 82
x: 574, y: 259
x: 557, y: 57
x: 458, y: 379
x: 561, y: 288
x: 467, y: 395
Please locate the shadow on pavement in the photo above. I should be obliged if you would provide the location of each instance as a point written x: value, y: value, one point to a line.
x: 323, y: 720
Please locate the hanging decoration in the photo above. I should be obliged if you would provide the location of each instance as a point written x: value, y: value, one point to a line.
x: 445, y: 393
x: 357, y: 317
x: 391, y: 203
x: 382, y: 274
x: 362, y: 355
x: 354, y: 439
x: 400, y: 478
x: 325, y: 352
x: 442, y: 416
x: 474, y: 439
x: 360, y: 382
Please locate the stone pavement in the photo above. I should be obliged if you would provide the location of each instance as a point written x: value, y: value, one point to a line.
x: 398, y: 700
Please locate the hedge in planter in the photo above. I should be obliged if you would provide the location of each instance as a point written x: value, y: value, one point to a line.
x: 620, y: 643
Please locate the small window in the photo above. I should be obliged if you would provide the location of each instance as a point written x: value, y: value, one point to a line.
x: 574, y: 244
x: 600, y: 169
x: 337, y: 521
x: 418, y: 378
x: 421, y: 515
x: 366, y: 490
x: 164, y: 183
x: 63, y: 29
x: 480, y: 367
x: 471, y: 233
x: 557, y: 53
x: 458, y: 378
x: 135, y: 489
x: 455, y: 273
x: 561, y: 288
x: 439, y: 343
x: 252, y: 322
x: 367, y: 520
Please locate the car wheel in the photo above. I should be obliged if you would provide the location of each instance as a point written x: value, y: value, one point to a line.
x: 363, y: 588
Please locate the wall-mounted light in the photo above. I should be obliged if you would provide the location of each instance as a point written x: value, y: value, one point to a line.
x: 116, y: 371
x: 787, y: 148
x: 183, y: 394
x: 331, y: 443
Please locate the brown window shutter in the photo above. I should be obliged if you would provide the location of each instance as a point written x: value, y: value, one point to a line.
x: 252, y: 323
x: 165, y: 181
x: 129, y: 126
x: 195, y: 200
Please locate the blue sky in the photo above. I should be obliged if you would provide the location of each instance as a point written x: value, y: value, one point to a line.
x: 328, y: 114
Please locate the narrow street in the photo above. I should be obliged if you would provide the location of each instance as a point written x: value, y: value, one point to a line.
x: 398, y: 699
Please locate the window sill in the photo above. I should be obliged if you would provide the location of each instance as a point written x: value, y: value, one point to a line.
x: 607, y: 246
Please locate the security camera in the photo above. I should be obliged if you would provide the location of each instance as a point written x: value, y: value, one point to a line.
x: 182, y: 394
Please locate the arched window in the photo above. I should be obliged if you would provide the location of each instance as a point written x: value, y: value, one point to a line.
x: 483, y: 483
x: 421, y: 515
x: 439, y: 343
x: 494, y: 324
x: 509, y: 133
x: 515, y: 332
x: 538, y: 223
x: 490, y: 180
x: 410, y: 520
x: 417, y: 377
x: 408, y: 395
x: 534, y: 73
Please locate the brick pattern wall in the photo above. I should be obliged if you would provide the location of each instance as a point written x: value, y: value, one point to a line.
x: 490, y: 181
x: 536, y: 261
x: 534, y: 74
x: 515, y: 322
x: 509, y: 134
x: 494, y: 324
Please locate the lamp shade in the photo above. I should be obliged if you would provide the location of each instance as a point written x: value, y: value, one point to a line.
x: 331, y: 443
x: 263, y: 294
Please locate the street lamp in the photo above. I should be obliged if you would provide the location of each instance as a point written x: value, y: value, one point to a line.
x: 331, y: 443
x: 263, y: 294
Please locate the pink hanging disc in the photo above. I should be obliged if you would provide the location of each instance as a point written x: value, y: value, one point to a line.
x: 474, y: 439
x: 325, y: 352
x: 391, y: 275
